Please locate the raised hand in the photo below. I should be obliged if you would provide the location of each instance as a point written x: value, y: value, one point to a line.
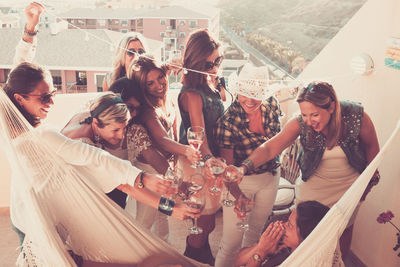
x: 32, y: 13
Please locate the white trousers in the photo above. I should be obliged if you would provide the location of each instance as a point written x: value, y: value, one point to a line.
x: 262, y: 188
x: 148, y: 217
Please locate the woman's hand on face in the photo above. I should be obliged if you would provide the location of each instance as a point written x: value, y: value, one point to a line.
x: 182, y: 211
x: 156, y: 183
x: 32, y: 13
x: 269, y: 240
x: 192, y: 154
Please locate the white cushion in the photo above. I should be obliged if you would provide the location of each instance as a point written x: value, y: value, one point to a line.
x: 284, y: 196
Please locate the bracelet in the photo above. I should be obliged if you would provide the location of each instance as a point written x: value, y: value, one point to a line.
x: 249, y: 165
x: 166, y: 206
x: 141, y: 184
x: 29, y: 33
x: 207, y: 157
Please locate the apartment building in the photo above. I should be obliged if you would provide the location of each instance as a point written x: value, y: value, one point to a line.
x: 171, y: 25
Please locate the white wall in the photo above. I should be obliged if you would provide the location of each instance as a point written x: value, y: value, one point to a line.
x: 367, y: 32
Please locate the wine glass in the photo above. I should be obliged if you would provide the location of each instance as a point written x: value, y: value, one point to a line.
x: 198, y: 201
x: 175, y: 176
x: 217, y: 167
x: 191, y: 185
x: 244, y: 206
x: 232, y: 175
x: 195, y: 136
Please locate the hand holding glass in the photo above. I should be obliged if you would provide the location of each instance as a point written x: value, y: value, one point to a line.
x: 232, y: 175
x: 195, y: 136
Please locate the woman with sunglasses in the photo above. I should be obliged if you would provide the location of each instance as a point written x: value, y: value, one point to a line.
x: 338, y: 140
x: 26, y: 87
x: 131, y: 45
x: 200, y: 104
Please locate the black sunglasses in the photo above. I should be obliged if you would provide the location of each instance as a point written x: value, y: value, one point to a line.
x: 210, y: 65
x: 44, y: 98
x: 132, y: 52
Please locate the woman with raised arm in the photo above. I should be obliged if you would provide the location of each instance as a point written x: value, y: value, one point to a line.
x: 200, y: 104
x: 338, y: 140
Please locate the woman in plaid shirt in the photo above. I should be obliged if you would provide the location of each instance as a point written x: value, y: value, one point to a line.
x: 247, y: 124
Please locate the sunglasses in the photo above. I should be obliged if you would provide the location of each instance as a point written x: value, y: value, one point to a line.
x: 132, y: 52
x: 210, y: 65
x: 44, y: 98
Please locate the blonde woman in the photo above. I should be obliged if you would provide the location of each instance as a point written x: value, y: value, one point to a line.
x: 131, y: 44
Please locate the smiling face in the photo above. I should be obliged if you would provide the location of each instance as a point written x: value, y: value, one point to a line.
x: 156, y: 83
x: 316, y: 117
x: 112, y: 133
x: 292, y: 234
x: 249, y: 105
x: 133, y: 45
x: 33, y: 103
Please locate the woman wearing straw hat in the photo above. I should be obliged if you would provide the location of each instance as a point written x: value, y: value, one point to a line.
x: 252, y: 119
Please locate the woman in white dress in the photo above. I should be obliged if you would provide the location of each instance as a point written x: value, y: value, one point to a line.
x: 58, y: 184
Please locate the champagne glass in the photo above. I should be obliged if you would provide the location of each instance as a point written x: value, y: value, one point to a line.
x: 196, y: 200
x: 195, y: 136
x: 244, y: 207
x: 175, y: 176
x: 191, y: 185
x: 232, y: 175
x: 217, y: 167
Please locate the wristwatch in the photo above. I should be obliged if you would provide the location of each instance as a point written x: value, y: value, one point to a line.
x: 140, y: 183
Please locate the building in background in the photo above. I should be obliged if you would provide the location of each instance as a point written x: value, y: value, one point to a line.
x: 77, y: 61
x: 171, y: 25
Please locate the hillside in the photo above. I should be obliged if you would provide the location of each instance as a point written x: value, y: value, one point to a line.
x: 305, y: 26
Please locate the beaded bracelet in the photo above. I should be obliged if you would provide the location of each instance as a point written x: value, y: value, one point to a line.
x: 29, y: 33
x: 166, y: 206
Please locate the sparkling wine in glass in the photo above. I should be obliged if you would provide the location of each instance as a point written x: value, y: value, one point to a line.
x: 195, y: 136
x: 196, y: 200
x: 232, y: 175
x: 217, y: 167
x: 174, y: 175
x: 245, y: 207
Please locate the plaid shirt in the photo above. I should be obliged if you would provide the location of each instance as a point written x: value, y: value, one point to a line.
x: 233, y: 132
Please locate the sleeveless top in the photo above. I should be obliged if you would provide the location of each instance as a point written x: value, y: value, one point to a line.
x: 212, y: 110
x: 314, y: 143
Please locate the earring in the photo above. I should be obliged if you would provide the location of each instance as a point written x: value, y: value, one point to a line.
x: 97, y: 138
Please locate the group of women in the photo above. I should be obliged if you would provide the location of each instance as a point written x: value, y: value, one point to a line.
x: 138, y: 122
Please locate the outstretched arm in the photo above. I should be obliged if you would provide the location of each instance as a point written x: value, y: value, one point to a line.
x: 161, y: 137
x: 271, y: 148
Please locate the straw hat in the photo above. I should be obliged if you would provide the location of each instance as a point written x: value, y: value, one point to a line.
x: 252, y: 82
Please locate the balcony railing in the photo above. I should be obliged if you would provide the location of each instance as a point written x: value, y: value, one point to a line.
x: 74, y: 89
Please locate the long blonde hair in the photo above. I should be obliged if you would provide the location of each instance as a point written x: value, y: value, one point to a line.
x: 322, y: 94
x: 119, y: 61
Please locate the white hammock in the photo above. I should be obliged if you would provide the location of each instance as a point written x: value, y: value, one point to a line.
x: 65, y: 209
x: 318, y: 248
